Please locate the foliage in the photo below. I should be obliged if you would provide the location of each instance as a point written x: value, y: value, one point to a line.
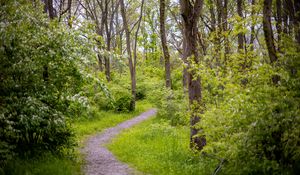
x: 254, y: 125
x: 172, y: 105
x: 42, y: 74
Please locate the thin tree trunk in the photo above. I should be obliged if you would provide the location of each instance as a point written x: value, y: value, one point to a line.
x: 278, y: 20
x: 225, y: 29
x: 219, y: 32
x: 240, y: 35
x: 191, y: 13
x: 285, y: 16
x: 162, y: 7
x: 252, y: 36
x: 50, y: 9
x: 185, y: 72
x: 130, y: 62
x: 268, y: 32
x: 297, y: 21
x: 100, y: 64
x: 136, y: 34
x: 108, y: 40
x: 52, y: 15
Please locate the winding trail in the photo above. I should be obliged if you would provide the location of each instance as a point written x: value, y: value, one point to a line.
x: 99, y: 160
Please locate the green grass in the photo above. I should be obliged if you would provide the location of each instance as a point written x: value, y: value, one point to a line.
x: 44, y: 165
x: 52, y: 165
x: 105, y: 119
x: 155, y: 147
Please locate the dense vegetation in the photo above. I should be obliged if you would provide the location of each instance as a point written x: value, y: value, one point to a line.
x: 223, y: 74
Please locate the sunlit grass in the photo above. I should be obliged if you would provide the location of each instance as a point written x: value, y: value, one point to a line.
x: 155, y: 147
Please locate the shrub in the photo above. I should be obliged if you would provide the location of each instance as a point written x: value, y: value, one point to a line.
x: 256, y: 126
x: 41, y: 74
x: 172, y: 105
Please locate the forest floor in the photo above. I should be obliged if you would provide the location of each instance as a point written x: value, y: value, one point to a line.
x: 99, y: 160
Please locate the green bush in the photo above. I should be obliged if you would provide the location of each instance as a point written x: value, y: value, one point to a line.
x: 256, y: 126
x: 123, y: 104
x: 123, y: 98
x: 172, y: 105
x: 141, y: 92
x: 42, y: 74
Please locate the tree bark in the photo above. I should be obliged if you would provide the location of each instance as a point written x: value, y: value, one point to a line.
x: 52, y: 15
x: 240, y: 35
x: 190, y: 14
x: 268, y: 32
x: 185, y: 71
x: 136, y: 34
x: 108, y: 40
x: 278, y: 20
x: 51, y: 10
x: 225, y: 29
x: 130, y: 62
x: 297, y: 21
x: 252, y: 36
x: 162, y: 7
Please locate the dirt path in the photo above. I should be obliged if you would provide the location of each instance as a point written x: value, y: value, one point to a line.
x: 99, y: 160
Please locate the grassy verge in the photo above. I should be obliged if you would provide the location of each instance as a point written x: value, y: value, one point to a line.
x: 105, y: 119
x: 53, y: 165
x: 44, y: 165
x: 155, y: 147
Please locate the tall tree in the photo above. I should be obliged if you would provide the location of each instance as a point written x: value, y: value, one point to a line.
x: 240, y: 34
x: 268, y: 32
x: 278, y: 20
x: 162, y: 6
x: 136, y: 33
x: 129, y: 55
x: 297, y: 20
x: 52, y: 14
x: 252, y: 36
x: 190, y: 11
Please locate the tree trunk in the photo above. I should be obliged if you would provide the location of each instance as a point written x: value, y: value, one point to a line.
x: 185, y: 72
x: 218, y: 36
x: 108, y: 40
x: 240, y: 35
x: 252, y: 37
x: 50, y: 9
x: 100, y: 64
x: 297, y: 21
x: 285, y: 16
x: 52, y: 15
x: 190, y: 14
x: 278, y: 20
x: 268, y: 32
x: 136, y: 34
x: 130, y: 62
x: 225, y: 28
x: 162, y: 5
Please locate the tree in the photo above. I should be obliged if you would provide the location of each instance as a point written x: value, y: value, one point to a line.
x: 129, y: 55
x: 240, y: 35
x: 191, y: 13
x: 268, y: 32
x: 162, y: 7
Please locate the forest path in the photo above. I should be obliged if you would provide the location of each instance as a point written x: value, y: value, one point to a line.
x: 99, y: 160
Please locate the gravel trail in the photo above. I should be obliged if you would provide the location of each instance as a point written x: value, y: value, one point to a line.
x: 99, y: 160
